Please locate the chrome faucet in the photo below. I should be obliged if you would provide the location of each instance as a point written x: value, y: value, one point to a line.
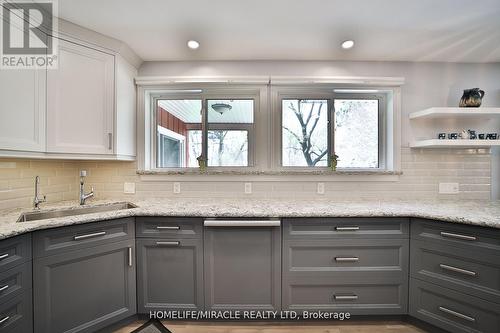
x: 37, y: 201
x: 84, y: 196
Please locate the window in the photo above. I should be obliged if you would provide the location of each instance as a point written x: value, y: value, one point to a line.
x: 221, y: 133
x: 350, y: 126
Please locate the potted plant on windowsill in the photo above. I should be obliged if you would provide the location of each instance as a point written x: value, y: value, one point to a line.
x: 333, y: 162
x: 202, y: 163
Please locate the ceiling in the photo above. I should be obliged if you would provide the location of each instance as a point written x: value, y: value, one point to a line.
x: 189, y: 110
x: 384, y: 30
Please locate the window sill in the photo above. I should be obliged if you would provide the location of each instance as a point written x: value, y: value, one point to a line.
x: 260, y: 175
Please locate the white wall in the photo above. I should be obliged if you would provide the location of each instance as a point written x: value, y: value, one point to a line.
x: 427, y: 84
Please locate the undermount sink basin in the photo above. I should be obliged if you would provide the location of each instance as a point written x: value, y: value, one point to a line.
x: 35, y: 216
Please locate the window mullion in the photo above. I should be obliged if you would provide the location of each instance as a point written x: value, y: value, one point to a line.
x: 204, y: 130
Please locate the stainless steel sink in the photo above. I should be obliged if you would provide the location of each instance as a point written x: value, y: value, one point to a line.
x: 35, y: 216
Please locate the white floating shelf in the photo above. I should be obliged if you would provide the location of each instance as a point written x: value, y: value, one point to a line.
x: 436, y: 143
x: 456, y: 112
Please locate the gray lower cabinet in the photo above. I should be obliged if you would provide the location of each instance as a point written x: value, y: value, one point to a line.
x: 452, y: 310
x: 86, y: 289
x: 242, y: 268
x: 16, y: 301
x: 169, y: 274
x: 346, y: 265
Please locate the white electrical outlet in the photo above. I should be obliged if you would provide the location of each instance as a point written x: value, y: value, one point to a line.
x: 448, y: 188
x: 177, y: 188
x: 248, y: 188
x: 321, y: 188
x: 129, y: 188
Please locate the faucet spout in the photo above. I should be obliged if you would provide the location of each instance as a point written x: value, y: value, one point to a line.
x: 37, y: 200
x: 84, y: 196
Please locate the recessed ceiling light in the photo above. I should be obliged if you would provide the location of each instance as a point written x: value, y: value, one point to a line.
x: 192, y: 44
x: 347, y: 44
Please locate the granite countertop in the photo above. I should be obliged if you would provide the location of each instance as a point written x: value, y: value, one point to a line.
x: 481, y: 213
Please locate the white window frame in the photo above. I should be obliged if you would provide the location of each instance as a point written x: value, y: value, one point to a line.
x: 267, y: 125
x: 389, y: 122
x: 202, y: 93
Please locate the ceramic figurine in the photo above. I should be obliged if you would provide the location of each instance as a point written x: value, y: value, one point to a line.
x: 464, y: 135
x: 472, y: 98
x: 481, y: 136
x: 442, y: 136
x: 472, y: 134
x: 453, y: 136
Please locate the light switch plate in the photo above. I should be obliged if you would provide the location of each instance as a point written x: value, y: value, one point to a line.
x: 448, y: 188
x: 321, y: 188
x: 248, y: 188
x: 129, y: 188
x: 177, y: 188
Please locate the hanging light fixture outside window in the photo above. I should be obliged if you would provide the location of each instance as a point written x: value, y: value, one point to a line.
x: 221, y: 107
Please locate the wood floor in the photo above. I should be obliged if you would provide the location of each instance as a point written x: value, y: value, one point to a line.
x: 256, y: 327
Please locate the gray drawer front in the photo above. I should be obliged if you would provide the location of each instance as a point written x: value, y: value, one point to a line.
x: 15, y: 281
x: 169, y: 274
x: 451, y: 310
x: 64, y: 239
x: 473, y: 273
x: 14, y: 251
x: 168, y: 227
x: 343, y: 256
x: 19, y: 312
x: 472, y: 237
x: 358, y: 298
x: 346, y: 228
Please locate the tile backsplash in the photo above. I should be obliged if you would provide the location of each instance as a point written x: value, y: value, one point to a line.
x: 423, y: 170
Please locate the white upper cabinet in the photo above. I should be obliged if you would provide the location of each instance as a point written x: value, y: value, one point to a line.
x: 22, y: 110
x: 80, y: 101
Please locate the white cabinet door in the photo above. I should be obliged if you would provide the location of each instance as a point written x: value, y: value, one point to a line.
x: 80, y: 101
x: 22, y: 110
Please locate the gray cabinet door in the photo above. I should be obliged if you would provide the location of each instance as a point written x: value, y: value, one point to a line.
x: 169, y: 274
x: 84, y: 290
x: 242, y: 268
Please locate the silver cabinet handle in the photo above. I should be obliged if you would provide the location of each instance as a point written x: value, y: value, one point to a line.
x: 457, y: 236
x: 353, y: 228
x: 4, y: 287
x: 346, y: 259
x: 457, y: 270
x: 345, y: 297
x: 456, y: 314
x: 3, y: 256
x: 4, y: 319
x: 95, y: 234
x: 110, y: 141
x: 168, y: 228
x: 242, y: 223
x: 130, y: 256
x: 168, y: 243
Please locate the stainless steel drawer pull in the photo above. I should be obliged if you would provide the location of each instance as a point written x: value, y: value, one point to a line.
x: 457, y: 314
x: 168, y: 243
x: 168, y: 228
x: 457, y: 270
x: 95, y: 234
x: 345, y: 297
x: 457, y: 236
x: 130, y: 257
x: 346, y: 259
x: 2, y: 288
x: 3, y: 256
x: 4, y: 319
x: 347, y: 228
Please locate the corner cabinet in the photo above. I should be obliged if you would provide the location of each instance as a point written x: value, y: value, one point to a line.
x: 83, y: 280
x: 80, y: 101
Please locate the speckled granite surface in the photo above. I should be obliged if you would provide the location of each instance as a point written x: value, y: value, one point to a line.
x: 482, y: 213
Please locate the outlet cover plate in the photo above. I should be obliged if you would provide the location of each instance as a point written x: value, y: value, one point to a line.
x: 321, y: 188
x: 129, y: 188
x: 448, y: 188
x: 248, y: 188
x: 177, y: 188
